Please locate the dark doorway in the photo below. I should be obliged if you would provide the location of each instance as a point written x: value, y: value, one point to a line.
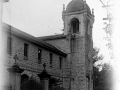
x: 29, y: 83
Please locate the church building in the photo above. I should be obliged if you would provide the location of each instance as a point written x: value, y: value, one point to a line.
x: 57, y: 62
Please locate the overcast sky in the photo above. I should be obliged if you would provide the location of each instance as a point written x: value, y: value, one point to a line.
x: 44, y: 17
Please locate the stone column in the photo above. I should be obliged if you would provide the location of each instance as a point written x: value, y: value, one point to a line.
x: 44, y: 76
x: 15, y: 77
x: 46, y: 83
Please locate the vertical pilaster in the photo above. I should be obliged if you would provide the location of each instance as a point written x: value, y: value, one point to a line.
x: 15, y: 73
x: 44, y: 76
x: 46, y: 84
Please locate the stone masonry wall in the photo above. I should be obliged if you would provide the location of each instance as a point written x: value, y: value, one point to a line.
x: 64, y: 45
x: 31, y: 66
x: 78, y: 66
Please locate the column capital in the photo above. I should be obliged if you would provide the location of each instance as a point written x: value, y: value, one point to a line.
x: 44, y: 74
x: 15, y: 69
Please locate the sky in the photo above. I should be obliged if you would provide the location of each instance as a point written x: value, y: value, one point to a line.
x: 44, y: 17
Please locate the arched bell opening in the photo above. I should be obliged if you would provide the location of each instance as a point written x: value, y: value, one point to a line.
x: 74, y: 25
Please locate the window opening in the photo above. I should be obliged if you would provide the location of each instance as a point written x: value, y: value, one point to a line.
x: 25, y: 51
x: 51, y: 59
x: 39, y: 55
x: 9, y: 45
x: 60, y: 62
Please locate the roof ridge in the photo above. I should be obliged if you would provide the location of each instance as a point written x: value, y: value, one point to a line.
x: 59, y: 36
x: 33, y: 39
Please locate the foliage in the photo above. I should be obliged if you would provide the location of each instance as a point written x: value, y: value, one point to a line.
x: 102, y: 79
x: 96, y: 56
x: 57, y: 88
x: 54, y: 82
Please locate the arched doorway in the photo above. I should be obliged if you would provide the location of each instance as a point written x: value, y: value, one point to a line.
x: 29, y: 83
x: 24, y: 78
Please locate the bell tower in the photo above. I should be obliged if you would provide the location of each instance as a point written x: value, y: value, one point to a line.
x: 78, y: 23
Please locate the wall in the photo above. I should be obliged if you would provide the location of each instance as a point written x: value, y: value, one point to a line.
x: 63, y: 44
x: 31, y: 66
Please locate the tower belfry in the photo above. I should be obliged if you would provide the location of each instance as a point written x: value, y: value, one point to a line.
x: 78, y: 23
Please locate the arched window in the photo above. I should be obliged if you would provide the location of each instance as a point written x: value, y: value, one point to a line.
x: 74, y: 25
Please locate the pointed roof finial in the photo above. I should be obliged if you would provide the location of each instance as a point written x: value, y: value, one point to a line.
x: 93, y: 11
x: 63, y: 12
x: 63, y: 7
x: 84, y: 4
x: 84, y: 0
x: 44, y: 66
x: 16, y: 58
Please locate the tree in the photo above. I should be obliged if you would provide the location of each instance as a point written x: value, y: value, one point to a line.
x: 55, y: 84
x: 102, y: 79
x: 96, y: 56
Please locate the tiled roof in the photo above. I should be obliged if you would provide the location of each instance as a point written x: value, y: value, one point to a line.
x: 32, y: 39
x: 57, y: 41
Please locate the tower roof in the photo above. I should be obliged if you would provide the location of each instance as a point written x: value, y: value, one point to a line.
x: 77, y: 5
